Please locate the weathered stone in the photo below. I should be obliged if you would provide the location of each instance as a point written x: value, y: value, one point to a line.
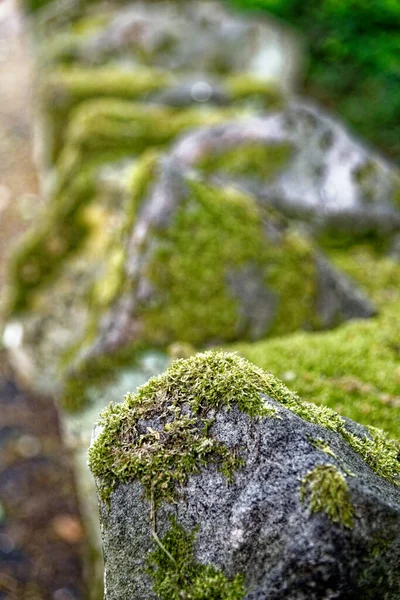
x: 206, y: 264
x: 192, y: 37
x: 215, y: 481
x: 327, y: 177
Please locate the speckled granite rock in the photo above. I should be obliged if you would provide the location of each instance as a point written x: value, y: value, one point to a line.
x: 215, y: 481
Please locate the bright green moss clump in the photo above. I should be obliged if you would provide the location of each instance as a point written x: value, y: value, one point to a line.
x: 177, y: 444
x: 177, y: 576
x: 326, y: 490
x: 64, y: 89
x: 161, y: 434
x: 215, y: 233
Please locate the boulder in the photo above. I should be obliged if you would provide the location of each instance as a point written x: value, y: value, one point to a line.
x: 207, y: 264
x: 215, y: 481
x: 182, y: 37
x: 304, y: 162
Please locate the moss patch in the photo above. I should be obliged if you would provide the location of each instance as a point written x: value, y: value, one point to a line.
x: 242, y: 86
x: 61, y: 233
x: 161, y: 435
x: 252, y: 159
x: 182, y: 401
x: 65, y: 88
x: 177, y: 576
x: 214, y: 232
x: 354, y: 369
x: 325, y: 489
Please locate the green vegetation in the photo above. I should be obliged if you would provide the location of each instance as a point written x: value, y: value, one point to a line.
x: 177, y: 575
x: 353, y: 48
x: 162, y: 434
x: 326, y: 490
x: 255, y: 160
x: 178, y: 443
x: 102, y: 132
x: 215, y: 232
x: 354, y: 369
x: 60, y: 234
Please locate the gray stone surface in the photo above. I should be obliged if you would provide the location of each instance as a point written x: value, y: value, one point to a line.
x: 338, y: 299
x: 258, y: 526
x: 331, y: 179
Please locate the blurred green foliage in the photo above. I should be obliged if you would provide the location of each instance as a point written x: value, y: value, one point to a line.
x: 353, y: 60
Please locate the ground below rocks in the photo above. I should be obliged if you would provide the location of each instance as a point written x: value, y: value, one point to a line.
x: 41, y: 536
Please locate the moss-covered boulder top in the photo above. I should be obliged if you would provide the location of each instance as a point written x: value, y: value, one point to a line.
x: 215, y: 477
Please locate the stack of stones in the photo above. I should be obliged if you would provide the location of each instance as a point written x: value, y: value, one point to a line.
x: 187, y: 193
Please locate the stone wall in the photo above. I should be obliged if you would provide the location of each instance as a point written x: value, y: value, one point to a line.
x: 190, y: 200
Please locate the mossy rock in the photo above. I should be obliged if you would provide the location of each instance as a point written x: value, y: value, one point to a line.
x: 65, y: 89
x: 206, y: 264
x: 104, y: 136
x: 294, y: 159
x: 354, y: 369
x: 183, y: 36
x: 216, y: 481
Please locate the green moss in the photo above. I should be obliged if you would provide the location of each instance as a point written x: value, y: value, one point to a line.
x: 177, y: 576
x: 65, y: 88
x: 255, y: 160
x: 61, y: 233
x: 102, y: 132
x: 326, y: 490
x: 365, y: 176
x: 182, y: 401
x: 324, y: 446
x: 216, y: 232
x: 355, y: 368
x: 117, y: 125
x: 396, y: 195
x: 161, y: 434
x: 107, y: 287
x: 243, y: 86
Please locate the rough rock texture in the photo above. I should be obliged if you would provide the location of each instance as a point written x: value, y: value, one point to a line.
x: 303, y: 516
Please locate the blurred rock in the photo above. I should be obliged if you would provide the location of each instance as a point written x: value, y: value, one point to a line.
x: 328, y: 178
